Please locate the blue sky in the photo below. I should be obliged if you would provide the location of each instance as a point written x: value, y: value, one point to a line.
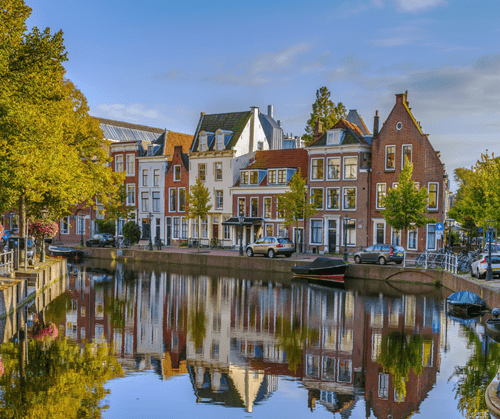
x: 161, y: 63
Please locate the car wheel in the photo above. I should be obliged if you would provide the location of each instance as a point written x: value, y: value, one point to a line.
x: 357, y: 259
x: 271, y: 253
x: 288, y: 255
x: 101, y: 244
x: 249, y: 252
x: 89, y: 245
x: 382, y: 260
x: 399, y: 262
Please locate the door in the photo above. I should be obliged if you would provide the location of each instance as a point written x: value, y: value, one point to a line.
x: 215, y: 231
x: 157, y: 237
x: 332, y: 236
x: 380, y: 233
x: 146, y: 229
x: 169, y: 231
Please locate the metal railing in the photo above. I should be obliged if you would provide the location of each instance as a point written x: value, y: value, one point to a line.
x: 432, y: 260
x: 6, y: 262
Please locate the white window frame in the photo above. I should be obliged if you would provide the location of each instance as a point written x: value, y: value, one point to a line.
x: 270, y: 207
x: 344, y: 167
x: 65, y: 226
x: 403, y: 154
x: 219, y: 200
x: 386, y: 158
x: 328, y: 199
x: 172, y: 193
x: 279, y: 172
x: 156, y: 195
x: 269, y: 176
x: 220, y: 140
x: 80, y: 225
x: 184, y: 228
x: 427, y: 237
x: 145, y: 201
x: 176, y: 234
x: 144, y: 177
x: 203, y: 141
x: 253, y: 173
x: 437, y: 195
x: 408, y: 239
x: 244, y: 177
x: 156, y: 177
x: 130, y: 193
x: 119, y: 163
x: 241, y: 199
x: 216, y: 171
x: 204, y: 166
x: 378, y: 205
x: 350, y: 234
x: 130, y: 164
x: 311, y: 231
x: 253, y: 200
x: 399, y: 235
x: 317, y: 167
x: 266, y: 228
x: 355, y: 198
x: 333, y: 137
x: 181, y: 206
x: 177, y: 171
x: 320, y: 208
x: 328, y: 167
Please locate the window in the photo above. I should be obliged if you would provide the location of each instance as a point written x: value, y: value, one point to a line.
x: 380, y: 195
x: 80, y: 225
x: 350, y: 167
x: 345, y: 367
x: 433, y: 196
x: 145, y: 202
x: 254, y: 207
x: 349, y: 198
x: 333, y: 138
x: 203, y: 142
x: 156, y: 177
x: 350, y: 227
x: 254, y: 178
x: 281, y: 176
x: 317, y: 197
x: 219, y: 199
x: 220, y: 141
x: 282, y: 230
x: 241, y: 207
x: 130, y: 164
x: 333, y: 198
x: 204, y: 228
x: 406, y: 155
x: 119, y: 163
x: 184, y: 228
x: 218, y: 170
x: 267, y: 207
x: 202, y: 171
x: 172, y: 200
x: 131, y: 194
x: 390, y: 152
x: 271, y: 176
x: 175, y: 229
x: 195, y: 228
x: 145, y: 177
x: 269, y: 230
x: 316, y: 231
x: 380, y: 233
x: 279, y: 212
x: 65, y: 225
x: 396, y: 237
x: 412, y: 239
x: 182, y: 199
x: 227, y: 230
x: 431, y: 236
x: 383, y: 385
x: 317, y: 169
x: 156, y: 201
x: 177, y: 173
x: 334, y: 168
x: 244, y: 178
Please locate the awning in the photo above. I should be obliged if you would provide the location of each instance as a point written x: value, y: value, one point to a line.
x: 248, y: 221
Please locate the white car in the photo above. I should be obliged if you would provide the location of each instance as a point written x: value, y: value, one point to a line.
x: 480, y: 265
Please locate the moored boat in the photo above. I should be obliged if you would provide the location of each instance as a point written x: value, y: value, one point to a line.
x: 465, y: 303
x: 66, y: 252
x: 322, y: 269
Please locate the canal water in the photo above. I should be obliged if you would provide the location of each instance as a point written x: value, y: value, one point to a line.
x: 129, y: 341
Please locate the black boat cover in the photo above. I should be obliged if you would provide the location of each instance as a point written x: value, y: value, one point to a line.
x: 465, y: 298
x: 318, y: 263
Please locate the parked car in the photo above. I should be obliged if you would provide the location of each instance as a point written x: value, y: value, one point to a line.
x: 6, y: 235
x: 480, y: 265
x: 101, y: 240
x: 380, y: 253
x: 271, y: 247
x: 13, y: 241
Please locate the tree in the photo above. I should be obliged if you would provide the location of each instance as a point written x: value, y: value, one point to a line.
x: 197, y: 203
x: 326, y: 111
x: 295, y: 205
x: 131, y: 232
x: 105, y: 226
x: 405, y: 205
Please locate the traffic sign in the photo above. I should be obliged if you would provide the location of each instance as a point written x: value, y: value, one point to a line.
x: 439, y: 227
x: 480, y: 230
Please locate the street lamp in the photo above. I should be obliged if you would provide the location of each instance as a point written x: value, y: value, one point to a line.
x: 346, y: 220
x: 151, y: 218
x: 449, y: 221
x: 241, y: 219
x: 489, y: 224
x: 44, y: 212
x: 81, y: 217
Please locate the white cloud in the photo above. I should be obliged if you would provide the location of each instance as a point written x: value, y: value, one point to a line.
x: 238, y: 80
x: 416, y: 6
x: 134, y: 112
x: 276, y: 61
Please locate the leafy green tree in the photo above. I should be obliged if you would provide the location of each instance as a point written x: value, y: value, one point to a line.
x: 326, y: 111
x: 295, y: 205
x: 405, y: 205
x: 131, y: 232
x: 197, y: 203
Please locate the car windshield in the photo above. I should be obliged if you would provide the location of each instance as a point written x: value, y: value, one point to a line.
x: 284, y: 241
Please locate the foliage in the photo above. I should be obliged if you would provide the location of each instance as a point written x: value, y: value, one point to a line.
x: 326, y: 111
x: 43, y: 228
x: 197, y: 327
x: 2, y: 230
x: 291, y: 336
x: 43, y: 332
x: 197, y: 203
x: 105, y: 226
x: 294, y: 203
x: 131, y: 232
x: 116, y: 208
x: 399, y: 353
x: 405, y: 205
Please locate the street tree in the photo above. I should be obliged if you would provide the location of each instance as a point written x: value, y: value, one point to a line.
x: 198, y: 203
x: 326, y: 111
x: 405, y: 205
x: 294, y: 204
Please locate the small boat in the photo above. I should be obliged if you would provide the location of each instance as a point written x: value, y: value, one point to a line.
x: 67, y: 252
x: 323, y: 269
x: 465, y: 303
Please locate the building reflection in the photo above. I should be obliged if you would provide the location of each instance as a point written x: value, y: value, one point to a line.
x: 235, y: 337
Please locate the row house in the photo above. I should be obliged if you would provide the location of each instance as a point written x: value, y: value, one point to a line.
x: 222, y: 145
x: 255, y: 195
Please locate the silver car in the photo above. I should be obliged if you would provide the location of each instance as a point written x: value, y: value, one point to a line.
x: 480, y: 265
x: 271, y: 247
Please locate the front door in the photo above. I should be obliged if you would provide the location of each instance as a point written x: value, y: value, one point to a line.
x: 169, y: 231
x: 215, y: 231
x: 380, y: 233
x: 157, y: 237
x: 332, y: 236
x: 146, y: 229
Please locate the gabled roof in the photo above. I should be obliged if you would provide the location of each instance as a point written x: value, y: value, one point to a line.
x: 355, y: 118
x: 291, y: 158
x: 232, y: 121
x: 124, y: 131
x: 167, y: 142
x: 352, y: 135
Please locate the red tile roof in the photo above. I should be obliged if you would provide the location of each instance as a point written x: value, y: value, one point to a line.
x: 293, y: 158
x: 176, y: 138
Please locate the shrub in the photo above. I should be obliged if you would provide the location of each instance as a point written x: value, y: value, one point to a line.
x: 105, y: 226
x: 131, y: 232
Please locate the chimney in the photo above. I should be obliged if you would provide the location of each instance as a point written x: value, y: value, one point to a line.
x: 375, y: 124
x: 279, y: 122
x: 318, y: 129
x: 253, y: 128
x: 270, y: 110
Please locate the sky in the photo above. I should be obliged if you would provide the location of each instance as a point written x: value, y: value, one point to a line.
x: 161, y: 63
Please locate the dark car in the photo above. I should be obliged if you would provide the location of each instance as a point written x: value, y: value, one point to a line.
x: 101, y: 240
x: 6, y: 235
x: 380, y: 253
x: 271, y: 247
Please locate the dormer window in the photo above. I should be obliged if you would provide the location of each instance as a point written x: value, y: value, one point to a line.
x: 220, y: 140
x: 254, y: 178
x: 203, y: 142
x: 333, y: 137
x: 244, y: 178
x: 271, y: 176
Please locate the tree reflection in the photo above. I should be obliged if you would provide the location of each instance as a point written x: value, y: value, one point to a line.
x: 61, y: 380
x: 399, y: 353
x: 291, y: 337
x: 198, y: 327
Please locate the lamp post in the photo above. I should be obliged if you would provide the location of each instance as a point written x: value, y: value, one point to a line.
x: 449, y: 221
x: 241, y: 219
x: 346, y: 220
x: 82, y: 225
x: 44, y: 212
x: 11, y: 214
x: 151, y: 218
x: 489, y: 224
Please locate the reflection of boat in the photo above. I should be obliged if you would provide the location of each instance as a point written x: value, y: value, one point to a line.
x: 66, y: 252
x: 465, y: 303
x: 324, y: 269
